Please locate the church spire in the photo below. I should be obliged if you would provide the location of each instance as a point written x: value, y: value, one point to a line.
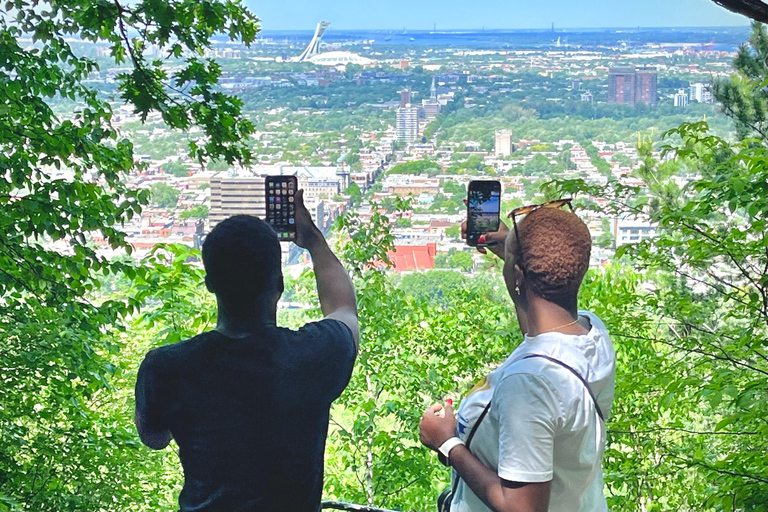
x: 433, y: 90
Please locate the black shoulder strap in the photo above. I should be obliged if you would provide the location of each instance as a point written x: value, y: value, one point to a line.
x: 469, y: 440
x: 477, y: 424
x: 487, y: 407
x: 577, y: 374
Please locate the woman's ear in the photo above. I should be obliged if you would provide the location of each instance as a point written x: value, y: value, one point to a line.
x: 519, y: 278
x: 208, y: 285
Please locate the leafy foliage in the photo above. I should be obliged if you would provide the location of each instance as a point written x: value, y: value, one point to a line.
x: 176, y: 168
x: 744, y: 96
x: 461, y: 260
x: 411, y: 354
x: 196, y: 212
x: 66, y: 436
x: 416, y: 167
x: 695, y: 425
x: 164, y: 196
x: 688, y: 430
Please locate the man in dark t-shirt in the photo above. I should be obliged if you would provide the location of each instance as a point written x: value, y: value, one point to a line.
x: 248, y: 403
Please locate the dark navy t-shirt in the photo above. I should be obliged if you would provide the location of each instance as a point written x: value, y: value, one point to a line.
x: 250, y: 415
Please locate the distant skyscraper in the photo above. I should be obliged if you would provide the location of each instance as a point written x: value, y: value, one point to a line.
x: 681, y: 98
x: 407, y: 124
x: 405, y: 97
x: 701, y: 93
x: 235, y: 196
x: 645, y: 86
x: 503, y: 143
x: 621, y: 86
x: 629, y: 86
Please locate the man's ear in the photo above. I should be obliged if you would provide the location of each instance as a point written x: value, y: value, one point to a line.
x: 208, y: 284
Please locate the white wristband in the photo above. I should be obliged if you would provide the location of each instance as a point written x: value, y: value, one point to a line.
x: 446, y: 447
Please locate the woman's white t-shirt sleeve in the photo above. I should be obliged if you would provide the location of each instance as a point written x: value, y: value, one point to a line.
x: 529, y: 412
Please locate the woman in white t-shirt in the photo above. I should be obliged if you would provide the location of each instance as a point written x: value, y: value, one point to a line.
x: 535, y: 426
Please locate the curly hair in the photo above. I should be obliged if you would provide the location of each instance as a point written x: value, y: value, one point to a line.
x: 242, y: 257
x: 553, y: 252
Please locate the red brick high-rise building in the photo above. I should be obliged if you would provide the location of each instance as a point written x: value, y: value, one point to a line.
x: 629, y: 86
x: 405, y: 97
x: 621, y: 86
x: 645, y: 86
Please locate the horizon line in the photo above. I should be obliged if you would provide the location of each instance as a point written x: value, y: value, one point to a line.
x: 543, y: 29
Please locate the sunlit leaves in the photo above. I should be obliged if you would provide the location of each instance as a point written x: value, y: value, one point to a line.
x: 65, y: 200
x: 691, y: 342
x: 412, y: 353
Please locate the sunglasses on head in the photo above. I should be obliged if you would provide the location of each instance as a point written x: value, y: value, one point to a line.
x: 517, y: 212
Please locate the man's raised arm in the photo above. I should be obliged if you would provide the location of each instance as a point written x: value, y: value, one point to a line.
x: 334, y: 288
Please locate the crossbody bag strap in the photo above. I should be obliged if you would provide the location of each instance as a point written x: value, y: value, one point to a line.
x: 487, y: 407
x: 477, y: 424
x: 577, y: 374
x: 469, y: 440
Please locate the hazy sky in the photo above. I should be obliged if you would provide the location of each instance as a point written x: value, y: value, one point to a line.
x: 492, y: 14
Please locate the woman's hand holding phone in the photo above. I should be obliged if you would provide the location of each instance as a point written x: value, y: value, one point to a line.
x: 495, y: 241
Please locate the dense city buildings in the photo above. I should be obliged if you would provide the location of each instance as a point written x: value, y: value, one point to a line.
x: 245, y: 193
x: 419, y: 123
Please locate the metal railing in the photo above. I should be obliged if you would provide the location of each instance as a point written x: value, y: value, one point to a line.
x: 338, y: 505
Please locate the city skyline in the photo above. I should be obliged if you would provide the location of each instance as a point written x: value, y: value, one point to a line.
x: 451, y: 15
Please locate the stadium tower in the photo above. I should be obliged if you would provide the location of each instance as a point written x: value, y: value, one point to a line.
x: 314, y: 45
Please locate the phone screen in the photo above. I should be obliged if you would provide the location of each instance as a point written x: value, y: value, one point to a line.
x: 281, y: 213
x: 483, y: 207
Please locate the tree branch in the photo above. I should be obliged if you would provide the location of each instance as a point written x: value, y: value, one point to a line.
x: 728, y: 110
x: 721, y: 471
x: 682, y: 430
x: 714, y: 240
x: 694, y: 350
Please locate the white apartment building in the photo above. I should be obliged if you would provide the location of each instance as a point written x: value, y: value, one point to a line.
x: 245, y: 194
x: 632, y: 231
x: 681, y: 98
x: 407, y: 124
x: 503, y: 146
x: 700, y: 92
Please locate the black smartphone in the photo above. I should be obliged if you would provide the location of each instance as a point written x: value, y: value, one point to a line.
x: 281, y: 210
x: 483, y: 207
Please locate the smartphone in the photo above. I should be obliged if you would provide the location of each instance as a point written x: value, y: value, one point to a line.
x: 281, y: 210
x: 483, y: 207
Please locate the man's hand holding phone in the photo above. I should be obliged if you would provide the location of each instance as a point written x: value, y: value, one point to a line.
x: 307, y: 233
